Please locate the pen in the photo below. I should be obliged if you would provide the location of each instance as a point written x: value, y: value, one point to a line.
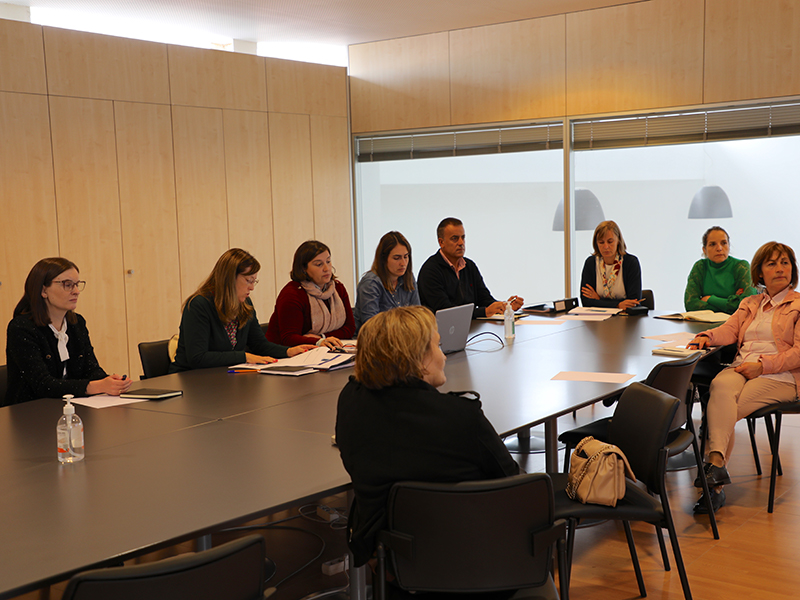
x: 242, y: 371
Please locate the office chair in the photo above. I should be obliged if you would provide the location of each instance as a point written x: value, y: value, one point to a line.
x: 155, y: 358
x: 476, y: 536
x: 648, y: 299
x: 674, y: 378
x: 3, y: 384
x: 640, y: 426
x: 232, y: 571
x: 264, y: 327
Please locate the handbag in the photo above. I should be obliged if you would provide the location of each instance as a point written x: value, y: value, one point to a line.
x: 597, y: 472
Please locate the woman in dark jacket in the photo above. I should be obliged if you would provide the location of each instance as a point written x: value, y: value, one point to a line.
x: 393, y: 425
x: 48, y: 350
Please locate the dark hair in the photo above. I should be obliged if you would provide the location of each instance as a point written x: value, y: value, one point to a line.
x: 603, y: 228
x: 41, y: 276
x: 765, y: 253
x: 304, y: 255
x: 714, y: 228
x: 444, y: 223
x: 220, y: 286
x: 388, y: 242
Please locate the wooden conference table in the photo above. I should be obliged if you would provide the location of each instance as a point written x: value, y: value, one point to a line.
x: 236, y: 447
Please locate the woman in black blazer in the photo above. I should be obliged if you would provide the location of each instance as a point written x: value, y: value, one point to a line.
x: 611, y: 277
x: 219, y: 327
x: 48, y: 350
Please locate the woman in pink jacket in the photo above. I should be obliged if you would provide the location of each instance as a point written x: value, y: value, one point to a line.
x: 767, y: 367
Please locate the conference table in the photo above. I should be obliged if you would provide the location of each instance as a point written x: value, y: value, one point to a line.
x: 235, y: 447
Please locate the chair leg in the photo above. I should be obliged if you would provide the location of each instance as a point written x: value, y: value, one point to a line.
x: 676, y: 549
x: 663, y: 547
x: 751, y: 428
x: 379, y: 577
x: 776, y: 440
x: 635, y: 559
x: 572, y: 526
x: 567, y: 453
x: 776, y: 457
x: 563, y: 577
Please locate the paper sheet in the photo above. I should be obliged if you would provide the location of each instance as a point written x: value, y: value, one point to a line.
x: 586, y: 317
x: 595, y: 377
x: 104, y: 401
x: 534, y: 321
x: 594, y: 310
x: 678, y: 337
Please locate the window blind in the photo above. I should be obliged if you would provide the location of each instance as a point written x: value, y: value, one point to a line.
x: 493, y: 140
x: 724, y: 123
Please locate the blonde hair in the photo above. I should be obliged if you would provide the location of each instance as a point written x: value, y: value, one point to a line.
x: 220, y: 286
x: 764, y: 254
x: 603, y: 229
x: 393, y: 345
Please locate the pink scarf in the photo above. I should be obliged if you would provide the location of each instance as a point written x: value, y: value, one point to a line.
x: 324, y: 320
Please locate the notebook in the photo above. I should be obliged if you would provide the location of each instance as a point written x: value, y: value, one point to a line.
x: 151, y: 394
x: 453, y: 324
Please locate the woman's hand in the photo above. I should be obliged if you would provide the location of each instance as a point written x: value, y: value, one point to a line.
x: 627, y: 303
x: 699, y: 342
x: 255, y: 359
x: 113, y: 385
x: 750, y: 370
x: 587, y: 291
x: 330, y: 342
x: 295, y: 350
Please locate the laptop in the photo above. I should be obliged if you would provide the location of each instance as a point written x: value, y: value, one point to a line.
x: 453, y: 324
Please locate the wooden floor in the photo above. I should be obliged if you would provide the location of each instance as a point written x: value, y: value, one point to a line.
x: 757, y: 555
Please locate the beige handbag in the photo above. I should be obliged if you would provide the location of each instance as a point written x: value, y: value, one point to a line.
x: 597, y: 473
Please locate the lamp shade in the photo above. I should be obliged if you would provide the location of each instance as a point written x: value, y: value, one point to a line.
x: 588, y: 212
x: 710, y: 202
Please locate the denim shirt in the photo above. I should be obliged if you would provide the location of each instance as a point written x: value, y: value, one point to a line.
x: 372, y: 297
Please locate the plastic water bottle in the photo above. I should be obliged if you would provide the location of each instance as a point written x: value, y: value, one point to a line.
x: 508, y: 321
x: 70, y: 434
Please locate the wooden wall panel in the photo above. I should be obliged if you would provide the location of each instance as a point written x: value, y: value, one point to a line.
x: 752, y: 49
x: 28, y: 223
x: 149, y: 223
x: 306, y: 88
x: 217, y: 79
x: 200, y: 192
x: 292, y: 192
x: 333, y: 221
x: 400, y: 84
x: 87, y: 200
x: 21, y: 58
x: 640, y: 56
x: 89, y: 65
x: 508, y: 72
x: 247, y: 168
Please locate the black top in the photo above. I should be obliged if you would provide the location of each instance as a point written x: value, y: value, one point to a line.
x: 440, y: 287
x: 204, y: 343
x: 410, y: 433
x: 35, y: 369
x: 631, y: 277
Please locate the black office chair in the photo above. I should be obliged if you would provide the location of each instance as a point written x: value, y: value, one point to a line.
x: 3, y: 384
x: 640, y: 426
x: 232, y: 571
x: 155, y: 358
x: 648, y: 299
x: 476, y: 536
x: 264, y: 327
x: 774, y: 436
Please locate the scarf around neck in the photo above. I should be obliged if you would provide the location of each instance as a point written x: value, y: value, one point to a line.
x: 608, y: 280
x: 324, y: 319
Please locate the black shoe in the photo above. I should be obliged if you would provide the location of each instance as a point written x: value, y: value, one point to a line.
x: 714, y: 476
x: 717, y: 502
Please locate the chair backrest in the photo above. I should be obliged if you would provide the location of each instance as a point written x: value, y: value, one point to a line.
x: 155, y: 358
x: 674, y: 377
x: 3, y: 384
x: 232, y: 571
x: 264, y: 327
x: 640, y: 426
x: 648, y: 299
x: 473, y: 536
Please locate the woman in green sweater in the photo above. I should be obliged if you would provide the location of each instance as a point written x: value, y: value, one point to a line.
x: 719, y: 281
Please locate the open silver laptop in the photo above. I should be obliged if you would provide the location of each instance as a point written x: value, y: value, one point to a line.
x: 453, y: 324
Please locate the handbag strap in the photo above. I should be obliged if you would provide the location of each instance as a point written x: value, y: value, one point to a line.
x: 574, y: 483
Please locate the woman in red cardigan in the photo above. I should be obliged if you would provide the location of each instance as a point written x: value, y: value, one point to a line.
x: 313, y: 308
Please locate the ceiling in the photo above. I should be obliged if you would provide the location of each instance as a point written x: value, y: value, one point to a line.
x: 335, y: 22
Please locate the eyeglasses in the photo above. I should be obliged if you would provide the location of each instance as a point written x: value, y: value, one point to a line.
x: 251, y: 281
x: 68, y: 284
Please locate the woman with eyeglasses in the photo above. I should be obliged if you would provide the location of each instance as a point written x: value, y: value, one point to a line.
x: 48, y: 350
x: 219, y: 327
x: 313, y: 308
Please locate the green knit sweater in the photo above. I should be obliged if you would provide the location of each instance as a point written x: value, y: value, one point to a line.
x: 726, y: 283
